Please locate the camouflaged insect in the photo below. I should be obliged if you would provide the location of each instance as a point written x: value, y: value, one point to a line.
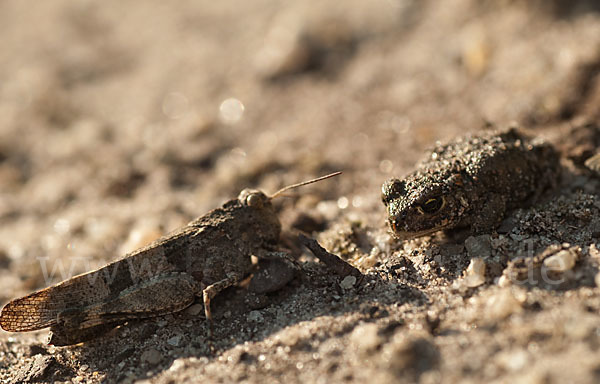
x: 203, y: 258
x: 471, y: 182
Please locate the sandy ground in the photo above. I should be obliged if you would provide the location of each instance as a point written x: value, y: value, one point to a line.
x: 121, y: 121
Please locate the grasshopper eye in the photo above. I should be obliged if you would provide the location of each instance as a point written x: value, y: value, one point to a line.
x: 254, y: 200
x: 433, y: 205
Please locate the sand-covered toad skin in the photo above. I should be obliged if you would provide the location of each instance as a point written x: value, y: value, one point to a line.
x: 472, y: 181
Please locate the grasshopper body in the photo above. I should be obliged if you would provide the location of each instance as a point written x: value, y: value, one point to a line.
x: 206, y: 256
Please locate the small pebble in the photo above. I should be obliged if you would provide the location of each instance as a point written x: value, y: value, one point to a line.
x: 504, y: 281
x: 174, y: 341
x: 348, y: 282
x: 177, y: 365
x: 593, y: 163
x: 162, y: 323
x: 506, y: 225
x: 479, y: 246
x: 194, y: 310
x: 151, y: 356
x: 475, y: 274
x: 594, y: 253
x: 37, y: 370
x: 562, y: 261
x: 255, y: 316
x: 516, y: 237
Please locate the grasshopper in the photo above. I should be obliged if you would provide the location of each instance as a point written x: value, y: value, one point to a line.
x: 203, y: 258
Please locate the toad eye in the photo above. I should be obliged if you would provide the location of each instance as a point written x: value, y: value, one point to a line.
x: 433, y: 205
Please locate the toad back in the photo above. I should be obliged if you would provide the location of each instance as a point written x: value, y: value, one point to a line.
x: 471, y: 182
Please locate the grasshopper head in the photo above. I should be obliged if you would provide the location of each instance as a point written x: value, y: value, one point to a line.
x: 254, y: 198
x: 260, y: 217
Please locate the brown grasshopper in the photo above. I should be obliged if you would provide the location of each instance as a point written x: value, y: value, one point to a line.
x: 203, y: 258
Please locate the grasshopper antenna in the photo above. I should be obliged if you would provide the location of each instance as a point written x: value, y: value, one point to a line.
x: 284, y: 189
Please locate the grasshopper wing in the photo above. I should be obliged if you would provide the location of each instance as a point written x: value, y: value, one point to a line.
x: 41, y: 309
x: 29, y: 313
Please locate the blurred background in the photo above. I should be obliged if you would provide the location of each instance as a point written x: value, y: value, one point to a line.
x: 120, y: 120
x: 123, y: 120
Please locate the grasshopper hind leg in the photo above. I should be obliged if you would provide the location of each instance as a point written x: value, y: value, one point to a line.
x: 212, y: 290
